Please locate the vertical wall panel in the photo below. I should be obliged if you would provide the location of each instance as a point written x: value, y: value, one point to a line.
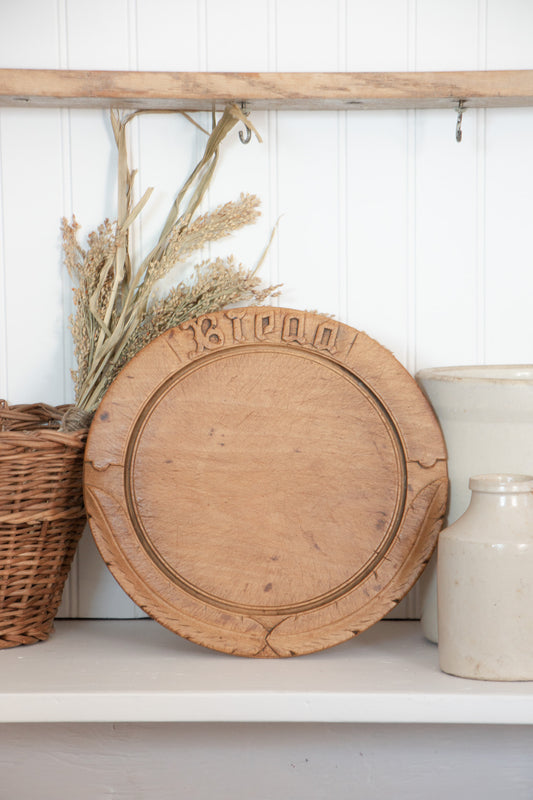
x: 308, y: 158
x: 93, y: 592
x: 236, y: 36
x: 377, y: 182
x: 509, y: 196
x: 386, y: 221
x: 164, y: 168
x: 307, y: 35
x: 446, y: 34
x: 446, y: 197
x: 32, y: 146
x: 378, y: 157
x: 376, y: 223
x: 509, y: 246
x: 242, y: 168
x: 245, y: 169
x: 99, y: 35
x: 509, y: 31
x: 168, y: 35
x: 30, y: 166
x: 93, y: 152
x: 446, y: 202
x: 308, y: 195
x: 164, y: 148
x: 376, y: 35
x: 28, y: 34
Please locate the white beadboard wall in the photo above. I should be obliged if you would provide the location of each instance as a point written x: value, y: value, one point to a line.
x: 386, y: 222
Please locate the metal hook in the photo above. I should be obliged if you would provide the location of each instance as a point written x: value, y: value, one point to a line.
x: 458, y: 130
x: 245, y: 137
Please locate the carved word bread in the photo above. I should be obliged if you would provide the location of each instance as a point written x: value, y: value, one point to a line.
x: 265, y: 481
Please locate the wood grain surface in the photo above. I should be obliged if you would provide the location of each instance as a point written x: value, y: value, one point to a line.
x: 265, y: 482
x: 201, y: 91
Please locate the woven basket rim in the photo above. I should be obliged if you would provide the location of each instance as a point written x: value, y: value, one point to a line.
x: 32, y: 437
x: 38, y: 421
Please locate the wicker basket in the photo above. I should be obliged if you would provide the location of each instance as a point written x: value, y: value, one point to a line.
x: 41, y: 517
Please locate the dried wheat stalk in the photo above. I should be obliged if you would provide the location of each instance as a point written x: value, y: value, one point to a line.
x: 117, y: 308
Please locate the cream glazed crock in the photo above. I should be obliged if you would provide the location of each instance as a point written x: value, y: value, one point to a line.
x: 485, y: 583
x: 486, y: 416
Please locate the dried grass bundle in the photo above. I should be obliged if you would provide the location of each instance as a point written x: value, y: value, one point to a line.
x: 118, y: 310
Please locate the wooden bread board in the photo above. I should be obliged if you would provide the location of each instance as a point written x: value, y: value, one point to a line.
x: 264, y: 481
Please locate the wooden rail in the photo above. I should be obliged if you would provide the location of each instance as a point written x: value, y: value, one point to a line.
x: 201, y: 91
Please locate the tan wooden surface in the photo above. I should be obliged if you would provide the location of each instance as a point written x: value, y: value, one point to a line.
x: 265, y: 482
x: 306, y: 90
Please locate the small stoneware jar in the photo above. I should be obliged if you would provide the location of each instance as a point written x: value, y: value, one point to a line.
x: 485, y: 583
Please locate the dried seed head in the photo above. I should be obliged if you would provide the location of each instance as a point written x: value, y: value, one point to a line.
x: 116, y: 312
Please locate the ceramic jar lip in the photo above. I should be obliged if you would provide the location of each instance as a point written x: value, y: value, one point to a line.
x: 508, y: 483
x: 491, y: 373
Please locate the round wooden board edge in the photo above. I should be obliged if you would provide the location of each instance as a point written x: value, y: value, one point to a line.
x: 291, y: 328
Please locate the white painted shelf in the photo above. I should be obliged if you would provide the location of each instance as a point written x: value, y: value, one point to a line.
x: 137, y: 671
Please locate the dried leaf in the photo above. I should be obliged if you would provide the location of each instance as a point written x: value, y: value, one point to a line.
x: 116, y: 314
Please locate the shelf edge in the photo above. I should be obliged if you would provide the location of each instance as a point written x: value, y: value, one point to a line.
x: 201, y: 91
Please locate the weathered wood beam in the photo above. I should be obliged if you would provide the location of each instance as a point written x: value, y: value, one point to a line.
x: 201, y: 91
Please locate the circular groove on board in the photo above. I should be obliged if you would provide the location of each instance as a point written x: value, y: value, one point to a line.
x: 353, y: 567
